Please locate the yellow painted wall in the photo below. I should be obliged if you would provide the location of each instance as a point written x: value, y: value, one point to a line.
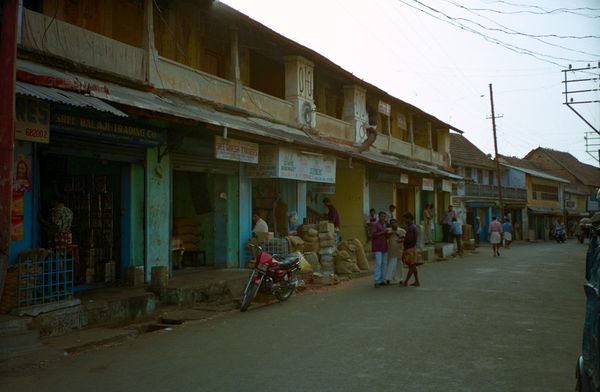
x: 348, y: 200
x: 529, y: 181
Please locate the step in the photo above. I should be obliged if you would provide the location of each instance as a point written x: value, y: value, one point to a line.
x: 19, y: 341
x: 13, y: 324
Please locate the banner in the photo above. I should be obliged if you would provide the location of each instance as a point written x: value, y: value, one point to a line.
x: 236, y: 150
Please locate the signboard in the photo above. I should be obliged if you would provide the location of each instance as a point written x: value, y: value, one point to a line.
x: 281, y: 162
x: 236, y: 150
x: 324, y: 189
x: 32, y: 120
x: 593, y: 204
x: 427, y: 184
x: 403, y: 178
x: 384, y: 108
x: 446, y: 185
x: 107, y: 130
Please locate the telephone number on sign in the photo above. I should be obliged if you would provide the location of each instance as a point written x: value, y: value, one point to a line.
x: 30, y: 132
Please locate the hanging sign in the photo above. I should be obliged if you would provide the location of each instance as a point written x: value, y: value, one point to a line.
x: 446, y: 185
x: 236, y: 150
x: 384, y: 108
x: 32, y: 120
x: 281, y: 162
x: 427, y: 184
x: 403, y: 178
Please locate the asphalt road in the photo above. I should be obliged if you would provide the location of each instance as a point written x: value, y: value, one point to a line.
x: 477, y: 324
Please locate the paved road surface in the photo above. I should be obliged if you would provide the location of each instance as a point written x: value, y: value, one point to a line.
x: 477, y: 324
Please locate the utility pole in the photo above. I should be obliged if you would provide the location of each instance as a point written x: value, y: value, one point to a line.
x: 8, y: 55
x: 498, y: 176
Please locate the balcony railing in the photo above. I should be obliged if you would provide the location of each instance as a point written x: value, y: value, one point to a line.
x: 491, y: 191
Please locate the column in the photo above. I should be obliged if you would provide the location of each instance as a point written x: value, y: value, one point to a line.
x: 299, y: 89
x: 355, y: 111
x: 149, y: 45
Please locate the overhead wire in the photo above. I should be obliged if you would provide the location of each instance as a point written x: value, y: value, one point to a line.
x: 543, y: 11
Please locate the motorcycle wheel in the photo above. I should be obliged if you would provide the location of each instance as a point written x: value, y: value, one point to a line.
x: 249, y: 293
x: 284, y: 294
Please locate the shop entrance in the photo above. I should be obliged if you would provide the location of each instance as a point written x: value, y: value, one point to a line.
x: 91, y: 189
x: 275, y: 200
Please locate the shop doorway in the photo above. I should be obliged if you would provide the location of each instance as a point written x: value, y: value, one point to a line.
x: 91, y: 189
x: 275, y: 200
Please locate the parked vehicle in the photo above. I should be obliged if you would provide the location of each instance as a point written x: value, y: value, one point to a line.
x: 275, y: 274
x: 587, y: 370
x: 559, y: 233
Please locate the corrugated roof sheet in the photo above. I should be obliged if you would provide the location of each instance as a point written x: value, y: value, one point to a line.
x: 536, y: 173
x: 66, y: 97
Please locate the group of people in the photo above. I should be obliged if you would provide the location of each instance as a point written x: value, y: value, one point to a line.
x: 391, y: 245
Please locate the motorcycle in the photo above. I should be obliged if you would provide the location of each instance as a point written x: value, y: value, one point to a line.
x: 275, y: 274
x: 559, y: 234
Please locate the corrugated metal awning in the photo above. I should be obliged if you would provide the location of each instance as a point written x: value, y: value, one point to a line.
x: 546, y: 211
x: 66, y: 97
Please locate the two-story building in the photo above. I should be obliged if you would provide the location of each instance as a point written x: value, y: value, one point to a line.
x: 545, y: 201
x: 477, y: 195
x: 162, y: 120
x: 584, y: 181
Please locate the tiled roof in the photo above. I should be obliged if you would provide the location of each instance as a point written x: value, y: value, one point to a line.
x: 587, y: 174
x: 466, y: 153
x: 529, y: 168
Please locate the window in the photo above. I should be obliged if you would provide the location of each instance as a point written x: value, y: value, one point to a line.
x: 479, y: 176
x: 544, y: 192
x: 491, y: 177
x: 467, y: 172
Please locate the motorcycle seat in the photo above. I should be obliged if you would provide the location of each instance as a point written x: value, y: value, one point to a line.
x: 288, y: 262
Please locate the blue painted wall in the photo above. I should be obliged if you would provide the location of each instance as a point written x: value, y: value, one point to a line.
x: 245, y: 216
x: 158, y: 211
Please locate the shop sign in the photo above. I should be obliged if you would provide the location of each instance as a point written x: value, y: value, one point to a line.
x: 427, y: 184
x: 32, y: 120
x: 236, y: 150
x: 446, y: 185
x: 281, y: 162
x: 324, y: 189
x: 403, y: 178
x: 384, y: 108
x: 107, y: 130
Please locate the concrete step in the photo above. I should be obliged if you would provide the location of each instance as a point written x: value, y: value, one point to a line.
x: 90, y: 339
x: 12, y: 324
x: 19, y: 341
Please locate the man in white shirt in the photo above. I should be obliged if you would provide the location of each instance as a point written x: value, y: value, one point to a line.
x: 260, y: 226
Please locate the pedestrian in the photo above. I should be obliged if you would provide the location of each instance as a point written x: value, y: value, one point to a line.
x: 495, y: 235
x: 333, y: 216
x: 427, y: 223
x: 371, y: 218
x: 409, y: 254
x: 447, y: 223
x: 456, y: 233
x: 477, y: 229
x: 393, y: 273
x: 507, y: 228
x: 392, y: 213
x: 379, y: 247
x: 61, y: 218
x: 260, y: 226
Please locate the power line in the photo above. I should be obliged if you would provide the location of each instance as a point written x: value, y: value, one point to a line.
x: 543, y: 11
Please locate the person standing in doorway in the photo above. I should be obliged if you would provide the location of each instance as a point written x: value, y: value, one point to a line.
x: 409, y: 254
x: 495, y: 235
x: 393, y: 273
x: 260, y: 226
x: 477, y: 229
x: 61, y: 218
x: 427, y: 223
x: 456, y: 233
x: 379, y: 247
x: 333, y: 216
x: 392, y: 213
x: 507, y: 228
x: 447, y: 222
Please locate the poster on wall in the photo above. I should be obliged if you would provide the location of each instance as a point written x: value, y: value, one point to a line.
x: 32, y: 120
x: 403, y: 178
x: 22, y: 174
x: 18, y: 216
x: 446, y: 186
x: 428, y: 184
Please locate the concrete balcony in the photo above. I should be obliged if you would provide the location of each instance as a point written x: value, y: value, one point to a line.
x: 333, y: 127
x: 489, y: 192
x: 267, y: 105
x: 52, y: 36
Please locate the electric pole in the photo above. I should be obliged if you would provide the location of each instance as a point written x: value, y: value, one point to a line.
x: 498, y: 176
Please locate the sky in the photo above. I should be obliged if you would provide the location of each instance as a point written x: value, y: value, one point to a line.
x: 441, y: 56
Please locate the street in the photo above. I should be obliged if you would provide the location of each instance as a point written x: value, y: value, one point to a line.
x: 477, y: 323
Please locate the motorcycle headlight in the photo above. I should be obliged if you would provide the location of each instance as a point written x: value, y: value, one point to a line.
x: 262, y: 267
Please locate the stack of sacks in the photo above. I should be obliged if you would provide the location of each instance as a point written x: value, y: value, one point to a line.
x: 361, y: 258
x: 295, y: 244
x: 344, y: 263
x: 311, y: 240
x: 327, y: 247
x: 187, y: 231
x: 349, y: 247
x: 313, y: 260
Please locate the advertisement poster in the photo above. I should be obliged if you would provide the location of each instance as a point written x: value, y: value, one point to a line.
x: 18, y: 212
x: 22, y: 177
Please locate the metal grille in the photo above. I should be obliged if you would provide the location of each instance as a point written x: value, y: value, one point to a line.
x: 276, y: 246
x: 45, y: 279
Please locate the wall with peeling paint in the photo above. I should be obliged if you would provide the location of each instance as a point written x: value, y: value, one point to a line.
x: 158, y: 211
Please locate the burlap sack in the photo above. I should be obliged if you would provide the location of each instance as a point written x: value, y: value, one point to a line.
x: 328, y: 243
x: 343, y: 262
x: 361, y: 258
x: 311, y: 246
x: 326, y: 227
x: 326, y: 236
x: 295, y: 244
x: 313, y: 260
